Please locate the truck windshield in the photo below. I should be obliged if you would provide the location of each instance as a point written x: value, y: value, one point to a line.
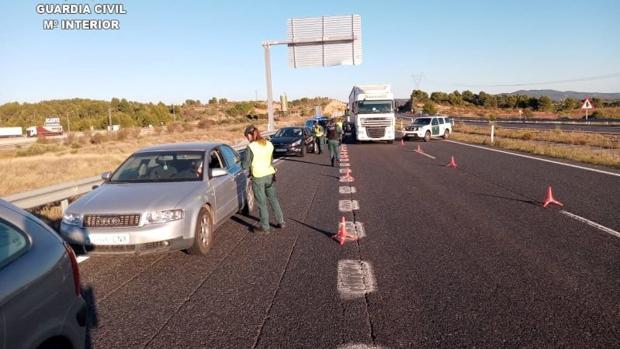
x: 374, y: 107
x: 422, y: 121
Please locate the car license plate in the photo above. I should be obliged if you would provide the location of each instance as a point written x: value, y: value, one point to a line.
x: 280, y: 150
x: 109, y: 239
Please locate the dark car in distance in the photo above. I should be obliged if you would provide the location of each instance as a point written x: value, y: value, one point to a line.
x: 293, y: 141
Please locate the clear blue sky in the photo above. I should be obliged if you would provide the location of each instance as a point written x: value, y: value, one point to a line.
x: 173, y: 50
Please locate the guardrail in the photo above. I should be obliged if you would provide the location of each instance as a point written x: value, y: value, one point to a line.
x: 63, y: 191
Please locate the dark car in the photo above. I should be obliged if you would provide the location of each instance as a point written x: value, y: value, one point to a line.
x: 322, y: 120
x: 292, y: 141
x: 41, y: 304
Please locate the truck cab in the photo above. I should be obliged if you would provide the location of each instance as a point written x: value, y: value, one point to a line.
x: 371, y: 109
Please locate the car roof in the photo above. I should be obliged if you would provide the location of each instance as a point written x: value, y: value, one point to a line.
x: 192, y: 146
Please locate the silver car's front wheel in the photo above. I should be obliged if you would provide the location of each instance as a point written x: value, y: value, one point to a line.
x: 203, y: 233
x: 249, y: 200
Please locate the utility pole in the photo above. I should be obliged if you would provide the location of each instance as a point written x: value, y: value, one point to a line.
x: 174, y: 115
x: 109, y: 119
x: 270, y: 125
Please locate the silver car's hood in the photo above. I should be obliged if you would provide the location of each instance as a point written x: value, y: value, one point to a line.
x: 136, y: 197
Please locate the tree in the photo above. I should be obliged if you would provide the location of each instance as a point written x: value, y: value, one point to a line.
x: 487, y: 100
x: 223, y: 101
x: 439, y: 97
x: 213, y: 100
x: 455, y: 98
x: 469, y: 97
x: 569, y: 104
x: 418, y: 96
x: 429, y: 108
x: 545, y: 103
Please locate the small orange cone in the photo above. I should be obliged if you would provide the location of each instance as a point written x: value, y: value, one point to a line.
x: 550, y: 200
x: 419, y: 150
x: 452, y: 163
x: 342, y: 234
x: 402, y: 142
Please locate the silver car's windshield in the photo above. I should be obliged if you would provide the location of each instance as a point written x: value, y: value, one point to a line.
x: 422, y: 121
x: 374, y: 107
x: 161, y: 167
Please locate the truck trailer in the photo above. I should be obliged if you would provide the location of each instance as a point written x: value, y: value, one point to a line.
x: 6, y: 132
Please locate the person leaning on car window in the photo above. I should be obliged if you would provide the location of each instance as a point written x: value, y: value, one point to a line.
x: 318, y: 132
x: 258, y: 159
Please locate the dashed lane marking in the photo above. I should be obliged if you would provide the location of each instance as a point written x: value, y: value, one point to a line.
x: 348, y: 205
x: 345, y: 164
x: 345, y: 170
x: 346, y: 179
x: 346, y: 189
x: 355, y: 279
x: 427, y: 155
x: 359, y: 346
x: 591, y: 223
x: 356, y: 229
x: 81, y: 259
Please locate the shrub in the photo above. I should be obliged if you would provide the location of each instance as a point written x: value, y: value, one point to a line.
x: 205, y: 123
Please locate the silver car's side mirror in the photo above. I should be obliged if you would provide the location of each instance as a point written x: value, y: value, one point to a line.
x: 218, y: 172
x: 106, y: 176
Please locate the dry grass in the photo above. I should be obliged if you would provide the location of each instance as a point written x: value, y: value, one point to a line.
x: 41, y: 165
x: 579, y: 153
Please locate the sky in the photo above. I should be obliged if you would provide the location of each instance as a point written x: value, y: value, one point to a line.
x: 171, y: 51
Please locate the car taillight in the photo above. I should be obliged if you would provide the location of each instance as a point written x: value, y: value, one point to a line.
x: 75, y: 268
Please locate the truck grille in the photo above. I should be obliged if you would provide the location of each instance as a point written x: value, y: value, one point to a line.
x: 375, y: 122
x: 375, y: 132
x: 124, y: 220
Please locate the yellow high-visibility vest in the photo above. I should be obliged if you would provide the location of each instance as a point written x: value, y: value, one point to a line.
x: 261, y: 159
x: 318, y: 131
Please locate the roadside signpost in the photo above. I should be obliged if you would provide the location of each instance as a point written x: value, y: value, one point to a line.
x: 317, y: 42
x: 587, y: 105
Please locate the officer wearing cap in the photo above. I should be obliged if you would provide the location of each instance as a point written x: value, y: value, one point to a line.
x: 258, y: 159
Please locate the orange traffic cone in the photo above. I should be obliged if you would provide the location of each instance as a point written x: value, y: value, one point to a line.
x: 419, y: 150
x: 452, y: 163
x: 550, y: 200
x: 402, y: 142
x: 342, y: 234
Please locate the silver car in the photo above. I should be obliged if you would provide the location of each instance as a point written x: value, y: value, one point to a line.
x: 166, y: 197
x: 40, y: 295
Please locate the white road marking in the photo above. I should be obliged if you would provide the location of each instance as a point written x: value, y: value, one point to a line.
x: 345, y: 170
x: 355, y: 279
x: 356, y: 229
x: 539, y: 159
x: 81, y: 259
x: 358, y: 346
x: 346, y: 179
x: 348, y: 205
x: 591, y: 223
x: 346, y: 189
x: 345, y: 164
x: 423, y: 153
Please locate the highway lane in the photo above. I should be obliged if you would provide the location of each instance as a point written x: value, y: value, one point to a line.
x: 461, y: 257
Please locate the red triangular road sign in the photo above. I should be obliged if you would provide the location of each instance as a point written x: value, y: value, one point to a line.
x: 587, y: 104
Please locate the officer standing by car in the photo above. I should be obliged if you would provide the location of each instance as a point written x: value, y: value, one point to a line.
x: 333, y: 140
x: 318, y: 135
x: 258, y: 159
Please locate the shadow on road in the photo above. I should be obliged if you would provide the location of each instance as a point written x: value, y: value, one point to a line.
x: 305, y: 162
x: 326, y: 233
x: 92, y: 318
x: 531, y: 202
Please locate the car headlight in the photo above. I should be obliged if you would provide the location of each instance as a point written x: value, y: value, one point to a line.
x: 72, y: 219
x: 155, y: 217
x: 297, y: 142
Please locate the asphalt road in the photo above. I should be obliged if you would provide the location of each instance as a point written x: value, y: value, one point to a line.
x: 461, y: 257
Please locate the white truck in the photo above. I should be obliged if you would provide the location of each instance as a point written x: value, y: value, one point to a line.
x: 51, y: 127
x: 371, y: 108
x: 10, y: 132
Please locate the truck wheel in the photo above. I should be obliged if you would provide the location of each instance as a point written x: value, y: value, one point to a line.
x: 203, y: 233
x: 446, y: 134
x: 427, y: 136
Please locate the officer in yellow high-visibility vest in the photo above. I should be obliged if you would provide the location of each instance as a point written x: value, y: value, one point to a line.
x: 318, y: 135
x: 258, y: 159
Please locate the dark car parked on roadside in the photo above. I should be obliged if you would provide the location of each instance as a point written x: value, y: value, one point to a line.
x: 41, y: 304
x: 293, y: 141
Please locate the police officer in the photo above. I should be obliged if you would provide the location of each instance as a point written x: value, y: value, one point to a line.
x: 333, y: 140
x: 258, y: 158
x: 318, y: 135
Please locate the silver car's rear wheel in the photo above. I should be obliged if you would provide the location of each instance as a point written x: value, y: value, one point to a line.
x: 203, y: 234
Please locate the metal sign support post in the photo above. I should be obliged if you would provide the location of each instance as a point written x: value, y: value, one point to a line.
x: 270, y: 123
